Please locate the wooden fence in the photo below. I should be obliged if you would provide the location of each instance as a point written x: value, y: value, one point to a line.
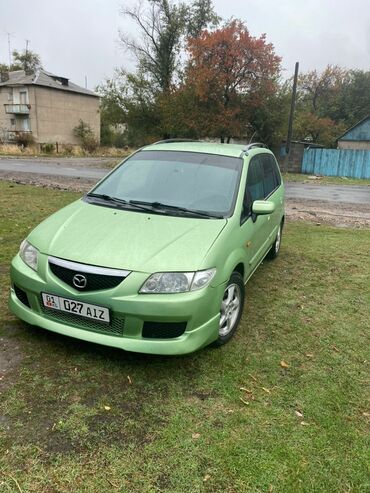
x: 337, y: 162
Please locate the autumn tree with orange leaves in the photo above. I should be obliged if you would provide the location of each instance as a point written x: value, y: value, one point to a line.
x: 230, y: 73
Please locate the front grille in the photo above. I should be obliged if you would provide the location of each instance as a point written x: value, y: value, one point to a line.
x: 115, y: 327
x: 94, y: 281
x: 163, y: 330
x: 22, y: 296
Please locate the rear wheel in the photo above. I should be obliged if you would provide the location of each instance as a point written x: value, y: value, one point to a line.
x: 231, y: 308
x: 275, y: 248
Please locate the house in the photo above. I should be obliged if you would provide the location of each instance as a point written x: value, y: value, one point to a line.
x: 46, y: 106
x: 356, y: 137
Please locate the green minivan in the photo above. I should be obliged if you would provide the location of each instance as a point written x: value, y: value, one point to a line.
x: 155, y: 257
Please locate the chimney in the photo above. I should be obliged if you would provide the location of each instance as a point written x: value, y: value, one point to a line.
x: 4, y: 76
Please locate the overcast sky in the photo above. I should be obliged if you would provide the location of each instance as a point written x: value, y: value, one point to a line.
x: 78, y: 38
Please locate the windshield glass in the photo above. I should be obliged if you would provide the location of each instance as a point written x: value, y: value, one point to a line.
x: 189, y: 180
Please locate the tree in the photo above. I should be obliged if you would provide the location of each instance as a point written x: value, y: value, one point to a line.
x: 354, y: 99
x: 231, y: 72
x: 27, y: 60
x: 318, y: 114
x: 84, y: 133
x: 23, y: 60
x: 318, y: 90
x: 311, y: 127
x: 128, y: 98
x: 162, y: 26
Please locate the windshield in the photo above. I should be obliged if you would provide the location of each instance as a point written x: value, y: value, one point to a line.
x: 190, y: 181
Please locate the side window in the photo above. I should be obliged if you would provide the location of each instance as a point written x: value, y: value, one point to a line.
x: 271, y: 174
x: 254, y: 189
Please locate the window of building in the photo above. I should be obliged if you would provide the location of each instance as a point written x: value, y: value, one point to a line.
x: 23, y: 99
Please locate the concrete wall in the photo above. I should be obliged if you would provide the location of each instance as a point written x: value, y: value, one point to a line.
x: 292, y: 163
x: 354, y: 144
x: 53, y: 113
x: 14, y: 122
x: 58, y: 112
x: 4, y: 117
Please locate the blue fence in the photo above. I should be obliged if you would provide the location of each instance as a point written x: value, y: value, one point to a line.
x: 337, y: 162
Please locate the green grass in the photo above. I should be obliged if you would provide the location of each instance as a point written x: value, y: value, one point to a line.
x: 324, y: 180
x: 77, y: 417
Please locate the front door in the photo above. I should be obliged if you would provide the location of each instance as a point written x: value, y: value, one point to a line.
x: 253, y: 228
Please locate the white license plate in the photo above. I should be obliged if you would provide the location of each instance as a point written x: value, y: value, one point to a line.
x: 86, y: 310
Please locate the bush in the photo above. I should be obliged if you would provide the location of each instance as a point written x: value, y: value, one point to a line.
x: 68, y: 149
x: 86, y: 136
x: 24, y: 139
x: 48, y: 148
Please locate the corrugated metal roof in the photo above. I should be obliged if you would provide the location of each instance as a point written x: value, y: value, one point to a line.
x: 45, y: 79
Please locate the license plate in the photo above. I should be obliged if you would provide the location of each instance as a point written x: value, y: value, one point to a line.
x: 99, y: 313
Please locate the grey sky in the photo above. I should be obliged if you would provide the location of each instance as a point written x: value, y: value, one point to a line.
x: 79, y: 37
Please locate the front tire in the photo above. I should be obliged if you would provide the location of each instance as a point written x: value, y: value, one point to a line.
x: 231, y: 308
x: 275, y: 248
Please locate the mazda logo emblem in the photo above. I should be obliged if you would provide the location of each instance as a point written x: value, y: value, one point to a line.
x: 79, y: 281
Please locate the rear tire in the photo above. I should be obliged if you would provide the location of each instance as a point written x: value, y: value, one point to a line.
x: 275, y: 248
x: 231, y: 308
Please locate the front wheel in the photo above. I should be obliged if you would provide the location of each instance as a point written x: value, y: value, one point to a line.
x: 231, y: 308
x: 275, y: 248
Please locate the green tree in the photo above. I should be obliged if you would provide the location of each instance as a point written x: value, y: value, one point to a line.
x: 23, y: 60
x: 27, y: 60
x: 318, y: 114
x: 354, y: 100
x: 162, y: 26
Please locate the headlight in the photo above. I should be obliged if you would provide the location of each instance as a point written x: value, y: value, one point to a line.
x: 28, y: 254
x: 177, y: 282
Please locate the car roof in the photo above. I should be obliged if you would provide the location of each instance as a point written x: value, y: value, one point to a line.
x: 232, y: 150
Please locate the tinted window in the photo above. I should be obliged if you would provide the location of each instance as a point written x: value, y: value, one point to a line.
x: 271, y: 174
x: 254, y: 186
x: 262, y: 179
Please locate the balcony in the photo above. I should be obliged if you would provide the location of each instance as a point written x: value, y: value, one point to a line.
x: 12, y: 135
x: 17, y: 109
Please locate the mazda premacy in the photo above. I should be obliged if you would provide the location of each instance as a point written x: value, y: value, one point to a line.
x: 156, y: 256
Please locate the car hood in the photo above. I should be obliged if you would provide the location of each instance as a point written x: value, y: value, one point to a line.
x: 125, y: 239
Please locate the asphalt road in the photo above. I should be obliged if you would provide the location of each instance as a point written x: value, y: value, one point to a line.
x: 332, y: 193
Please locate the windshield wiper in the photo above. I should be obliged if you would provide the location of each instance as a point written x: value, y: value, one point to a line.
x: 108, y: 198
x: 160, y: 206
x: 116, y: 200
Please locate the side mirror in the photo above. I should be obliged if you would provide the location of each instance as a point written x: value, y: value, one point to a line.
x: 262, y: 207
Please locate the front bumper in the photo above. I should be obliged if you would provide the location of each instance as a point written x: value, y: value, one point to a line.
x: 129, y: 311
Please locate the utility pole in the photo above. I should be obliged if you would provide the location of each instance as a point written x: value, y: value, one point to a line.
x: 85, y: 81
x: 292, y: 107
x: 27, y: 43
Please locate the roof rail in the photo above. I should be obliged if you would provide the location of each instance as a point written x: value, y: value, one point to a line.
x: 252, y: 145
x: 173, y: 141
